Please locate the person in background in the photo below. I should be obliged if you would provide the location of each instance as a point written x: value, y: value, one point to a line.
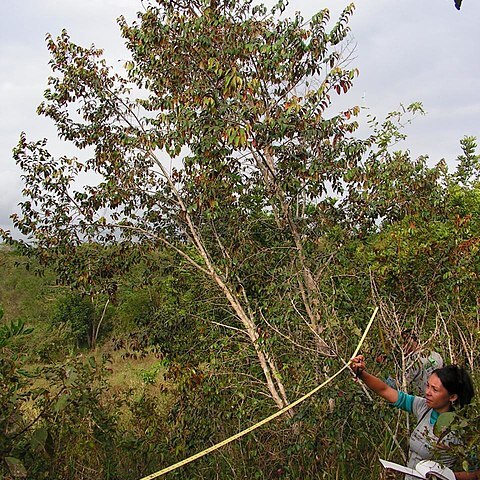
x: 419, y: 366
x: 447, y: 388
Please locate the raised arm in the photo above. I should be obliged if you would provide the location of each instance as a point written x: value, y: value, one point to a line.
x: 467, y: 475
x: 376, y: 385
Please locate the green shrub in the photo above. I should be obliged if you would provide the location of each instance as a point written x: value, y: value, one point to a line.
x: 78, y: 313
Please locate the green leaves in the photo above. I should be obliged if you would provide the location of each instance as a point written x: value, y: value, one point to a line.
x: 16, y: 467
x: 61, y: 403
x: 233, y: 83
x: 468, y: 169
x: 39, y: 439
x: 218, y: 142
x: 11, y: 330
x: 443, y: 423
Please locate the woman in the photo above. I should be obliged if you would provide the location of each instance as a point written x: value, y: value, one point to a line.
x: 446, y: 388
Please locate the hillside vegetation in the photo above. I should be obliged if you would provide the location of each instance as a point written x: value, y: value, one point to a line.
x: 168, y: 374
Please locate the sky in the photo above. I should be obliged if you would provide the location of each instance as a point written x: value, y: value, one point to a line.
x: 406, y: 51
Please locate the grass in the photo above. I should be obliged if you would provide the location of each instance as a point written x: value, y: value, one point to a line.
x: 24, y: 293
x: 128, y: 373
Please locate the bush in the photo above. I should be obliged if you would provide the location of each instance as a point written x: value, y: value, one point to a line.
x: 78, y: 313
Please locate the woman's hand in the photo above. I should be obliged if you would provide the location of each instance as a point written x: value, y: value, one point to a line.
x: 357, y: 365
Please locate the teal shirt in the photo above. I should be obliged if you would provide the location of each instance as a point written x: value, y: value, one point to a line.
x: 405, y: 402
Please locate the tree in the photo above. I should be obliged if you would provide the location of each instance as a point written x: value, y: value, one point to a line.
x: 239, y: 96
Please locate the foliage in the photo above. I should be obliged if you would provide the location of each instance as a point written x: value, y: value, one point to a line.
x: 466, y: 426
x: 60, y: 420
x: 78, y: 313
x: 468, y: 168
x: 13, y: 379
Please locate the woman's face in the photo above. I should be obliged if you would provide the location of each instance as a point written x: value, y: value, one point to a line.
x: 437, y: 395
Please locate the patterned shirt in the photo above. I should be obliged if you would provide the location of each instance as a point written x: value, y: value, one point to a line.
x: 423, y: 440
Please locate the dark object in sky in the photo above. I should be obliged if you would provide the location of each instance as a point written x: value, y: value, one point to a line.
x: 458, y: 4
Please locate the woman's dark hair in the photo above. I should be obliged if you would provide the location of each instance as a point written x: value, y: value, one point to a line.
x: 457, y: 381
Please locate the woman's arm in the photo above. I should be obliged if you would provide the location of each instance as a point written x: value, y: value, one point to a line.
x: 372, y: 382
x: 467, y: 475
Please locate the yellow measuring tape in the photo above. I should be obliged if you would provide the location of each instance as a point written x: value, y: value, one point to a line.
x: 265, y: 420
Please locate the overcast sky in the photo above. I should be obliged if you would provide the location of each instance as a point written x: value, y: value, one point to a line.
x: 406, y: 50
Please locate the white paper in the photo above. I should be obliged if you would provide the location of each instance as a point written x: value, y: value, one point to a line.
x: 422, y: 469
x: 401, y: 468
